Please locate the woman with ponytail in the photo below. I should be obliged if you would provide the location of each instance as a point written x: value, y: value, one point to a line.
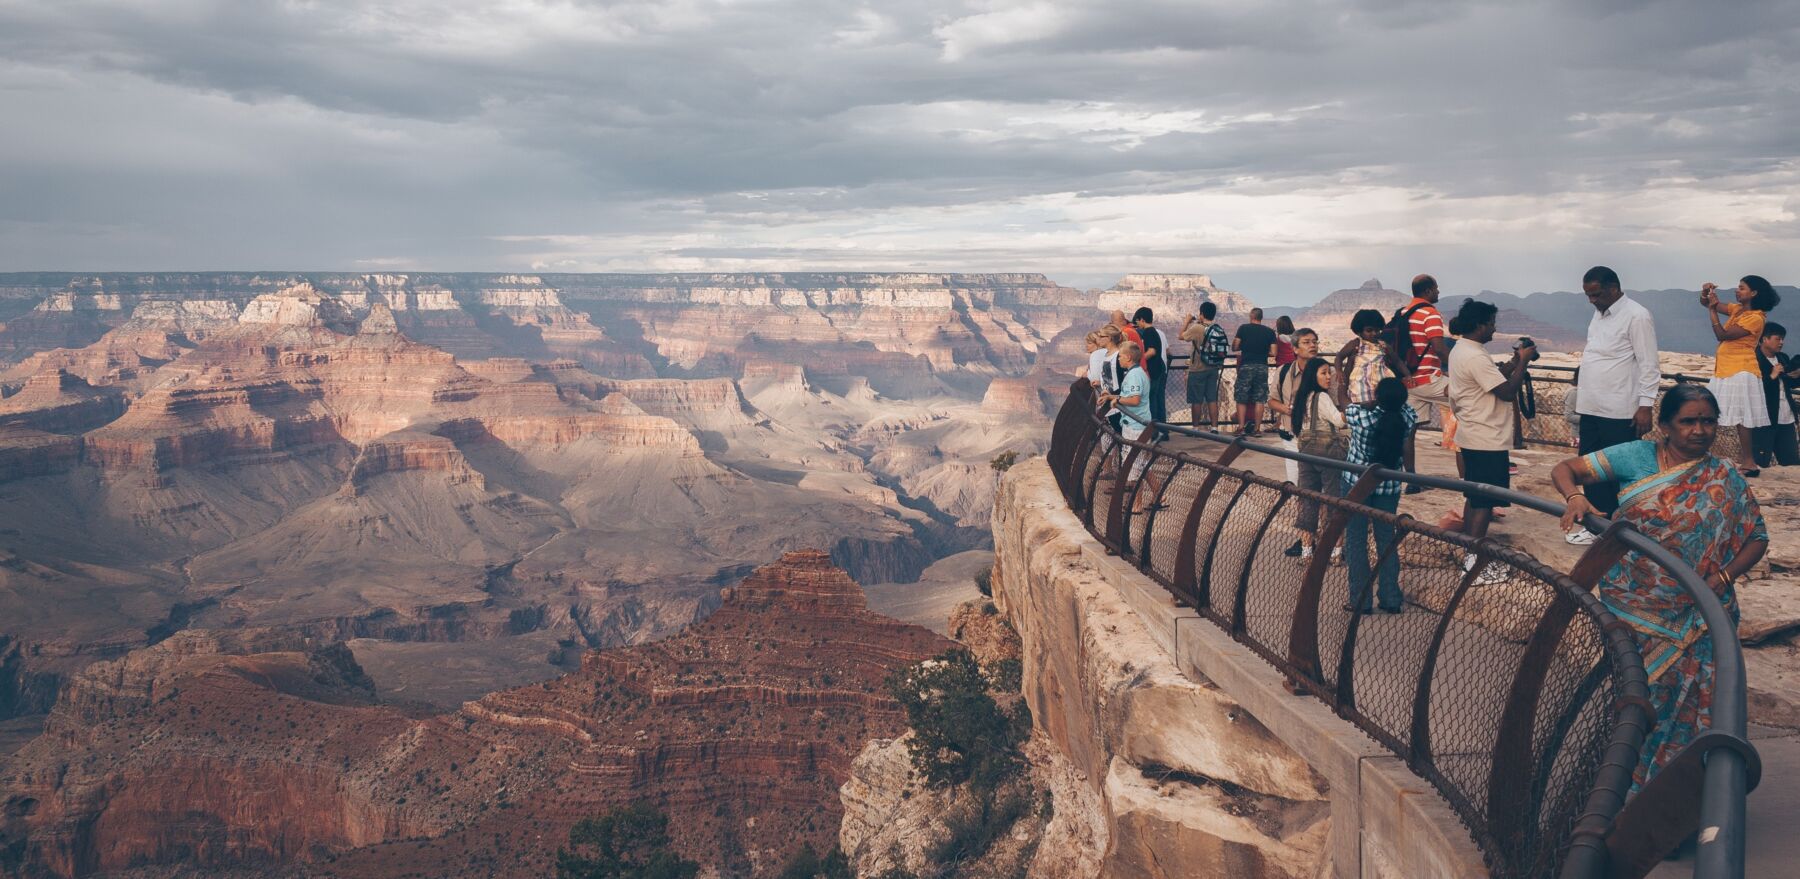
x: 1377, y: 436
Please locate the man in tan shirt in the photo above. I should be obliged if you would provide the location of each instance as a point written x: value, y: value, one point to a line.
x: 1481, y: 396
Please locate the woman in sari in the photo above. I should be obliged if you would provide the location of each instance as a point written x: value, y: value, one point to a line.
x: 1699, y: 506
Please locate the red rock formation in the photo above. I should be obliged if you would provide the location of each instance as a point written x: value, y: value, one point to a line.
x: 742, y: 728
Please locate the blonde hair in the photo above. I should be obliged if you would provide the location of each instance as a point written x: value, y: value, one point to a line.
x: 1133, y: 349
x: 1110, y: 333
x: 1093, y: 339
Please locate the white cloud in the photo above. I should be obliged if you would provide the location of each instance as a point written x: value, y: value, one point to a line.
x: 1484, y: 139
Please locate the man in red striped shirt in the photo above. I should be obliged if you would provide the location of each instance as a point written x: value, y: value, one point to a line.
x: 1422, y: 355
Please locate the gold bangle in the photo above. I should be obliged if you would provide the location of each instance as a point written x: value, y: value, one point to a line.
x: 1573, y: 495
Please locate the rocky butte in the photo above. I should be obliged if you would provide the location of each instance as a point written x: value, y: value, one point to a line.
x: 742, y: 727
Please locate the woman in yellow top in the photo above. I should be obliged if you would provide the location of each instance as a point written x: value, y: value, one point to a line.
x: 1736, y: 373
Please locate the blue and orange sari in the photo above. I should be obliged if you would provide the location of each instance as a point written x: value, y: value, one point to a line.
x: 1704, y: 512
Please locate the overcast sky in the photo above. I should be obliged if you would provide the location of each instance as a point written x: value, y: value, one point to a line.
x: 1287, y: 148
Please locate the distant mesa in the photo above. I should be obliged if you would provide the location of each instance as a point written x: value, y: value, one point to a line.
x: 1171, y: 297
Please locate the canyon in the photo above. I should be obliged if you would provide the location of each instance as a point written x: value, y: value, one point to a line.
x: 463, y: 469
x: 741, y: 728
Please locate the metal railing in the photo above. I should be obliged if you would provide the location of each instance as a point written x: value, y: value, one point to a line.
x: 1545, y: 424
x: 1522, y: 701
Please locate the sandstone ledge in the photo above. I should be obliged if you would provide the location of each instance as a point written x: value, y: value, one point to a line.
x: 1204, y: 764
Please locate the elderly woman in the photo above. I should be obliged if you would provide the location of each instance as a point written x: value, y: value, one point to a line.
x: 1737, y: 380
x: 1698, y: 505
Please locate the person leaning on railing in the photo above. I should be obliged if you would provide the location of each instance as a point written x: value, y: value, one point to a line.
x: 1700, y: 507
x: 1133, y: 403
x: 1737, y: 382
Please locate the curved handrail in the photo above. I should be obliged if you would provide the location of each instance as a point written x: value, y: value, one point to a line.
x: 1728, y: 766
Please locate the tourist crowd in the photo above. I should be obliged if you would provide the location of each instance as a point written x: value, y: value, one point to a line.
x: 1644, y: 455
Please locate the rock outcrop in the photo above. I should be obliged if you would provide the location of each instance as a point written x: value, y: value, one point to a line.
x: 1185, y: 781
x: 742, y: 728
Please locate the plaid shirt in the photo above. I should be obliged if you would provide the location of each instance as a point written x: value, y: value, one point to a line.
x: 1361, y: 421
x: 1214, y: 346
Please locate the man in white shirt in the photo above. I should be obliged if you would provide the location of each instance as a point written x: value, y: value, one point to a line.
x: 1481, y: 396
x: 1616, y: 387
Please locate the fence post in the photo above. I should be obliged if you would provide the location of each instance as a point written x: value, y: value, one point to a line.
x: 1155, y: 506
x: 1184, y: 550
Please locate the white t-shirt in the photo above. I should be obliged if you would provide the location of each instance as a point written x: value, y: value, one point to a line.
x: 1096, y: 364
x: 1484, y: 422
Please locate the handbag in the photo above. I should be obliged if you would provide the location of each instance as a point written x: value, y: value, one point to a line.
x: 1322, y: 438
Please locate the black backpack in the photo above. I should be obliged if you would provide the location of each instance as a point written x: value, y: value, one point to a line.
x: 1399, y: 337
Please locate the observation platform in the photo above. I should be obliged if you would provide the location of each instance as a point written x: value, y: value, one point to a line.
x: 1515, y: 699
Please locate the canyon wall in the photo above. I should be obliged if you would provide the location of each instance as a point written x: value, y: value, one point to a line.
x: 741, y: 728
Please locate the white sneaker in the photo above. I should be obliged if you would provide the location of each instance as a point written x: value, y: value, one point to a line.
x: 1581, y: 537
x: 1490, y: 575
x: 1468, y: 562
x: 1306, y: 553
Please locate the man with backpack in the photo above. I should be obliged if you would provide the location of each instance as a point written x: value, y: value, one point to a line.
x: 1420, y: 348
x: 1211, y: 348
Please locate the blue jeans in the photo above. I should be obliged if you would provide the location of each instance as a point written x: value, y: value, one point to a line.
x: 1356, y: 553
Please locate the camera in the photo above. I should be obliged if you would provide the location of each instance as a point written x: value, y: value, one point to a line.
x: 1524, y: 343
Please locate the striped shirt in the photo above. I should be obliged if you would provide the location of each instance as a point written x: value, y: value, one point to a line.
x: 1425, y: 324
x: 1362, y: 421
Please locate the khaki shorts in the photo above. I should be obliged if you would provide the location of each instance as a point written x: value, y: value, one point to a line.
x: 1426, y: 398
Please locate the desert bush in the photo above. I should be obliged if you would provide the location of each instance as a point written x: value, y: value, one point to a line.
x: 630, y: 842
x: 806, y: 864
x: 960, y: 734
x: 984, y: 582
x: 977, y: 824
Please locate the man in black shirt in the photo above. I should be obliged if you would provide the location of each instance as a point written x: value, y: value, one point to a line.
x: 1156, y: 364
x: 1253, y: 342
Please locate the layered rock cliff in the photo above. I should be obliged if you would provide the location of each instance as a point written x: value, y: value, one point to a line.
x: 742, y: 728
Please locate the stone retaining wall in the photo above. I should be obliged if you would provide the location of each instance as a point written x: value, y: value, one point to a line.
x: 1203, y: 762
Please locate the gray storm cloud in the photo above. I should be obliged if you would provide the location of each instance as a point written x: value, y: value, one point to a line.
x: 1266, y: 139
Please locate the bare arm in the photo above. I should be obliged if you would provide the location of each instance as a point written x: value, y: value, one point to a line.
x: 1738, y: 567
x: 1509, y: 390
x: 1567, y: 478
x: 1726, y: 332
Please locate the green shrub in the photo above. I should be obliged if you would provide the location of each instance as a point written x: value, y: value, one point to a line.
x: 984, y: 582
x: 631, y: 842
x: 806, y: 864
x: 960, y: 734
x: 1007, y: 675
x: 1004, y: 461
